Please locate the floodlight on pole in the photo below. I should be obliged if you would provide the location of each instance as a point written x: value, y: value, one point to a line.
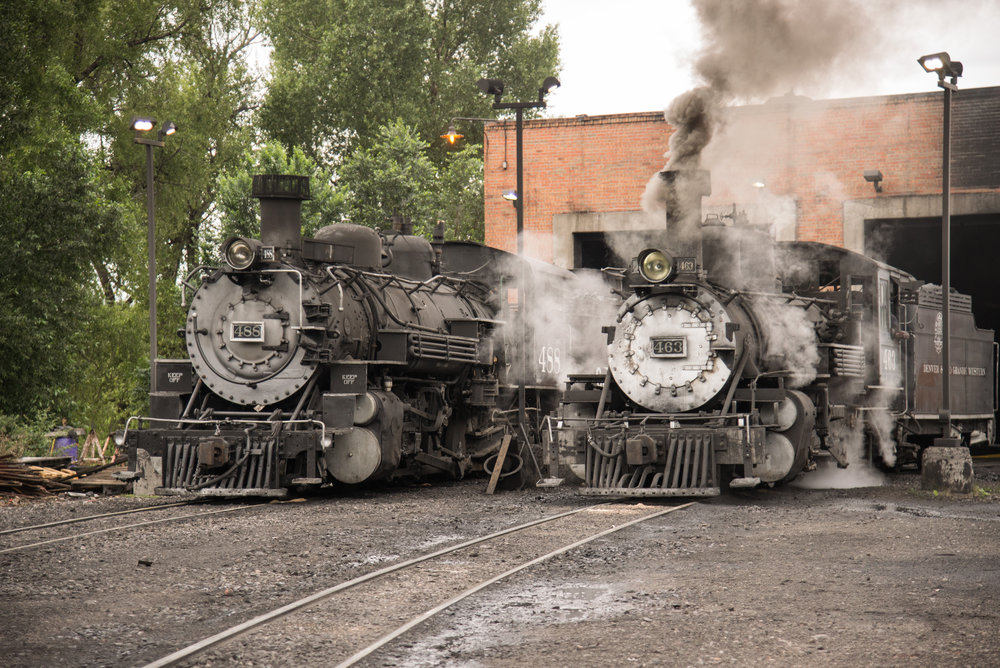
x: 495, y: 88
x: 141, y: 124
x: 944, y: 66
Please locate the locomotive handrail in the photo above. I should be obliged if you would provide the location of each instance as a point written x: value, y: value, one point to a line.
x: 381, y: 302
x: 737, y: 375
x: 655, y: 418
x: 193, y: 398
x: 790, y: 297
x: 186, y: 284
x: 290, y: 270
x: 440, y: 279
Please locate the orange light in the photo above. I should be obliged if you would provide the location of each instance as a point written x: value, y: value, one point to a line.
x: 451, y: 136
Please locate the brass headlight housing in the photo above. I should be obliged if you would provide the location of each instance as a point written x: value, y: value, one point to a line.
x: 655, y: 266
x: 240, y: 253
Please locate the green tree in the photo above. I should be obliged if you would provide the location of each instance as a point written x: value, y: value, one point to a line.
x: 393, y: 176
x: 396, y: 176
x: 343, y: 68
x: 55, y: 223
x: 458, y: 194
x: 73, y: 220
x: 109, y: 368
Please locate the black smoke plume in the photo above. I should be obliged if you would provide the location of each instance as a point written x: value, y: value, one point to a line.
x: 755, y: 49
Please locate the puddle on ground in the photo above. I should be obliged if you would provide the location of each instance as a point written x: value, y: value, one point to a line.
x: 509, y: 608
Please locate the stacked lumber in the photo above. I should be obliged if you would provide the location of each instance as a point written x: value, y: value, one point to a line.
x: 23, y: 480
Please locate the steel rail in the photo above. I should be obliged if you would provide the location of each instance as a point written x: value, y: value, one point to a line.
x: 74, y: 520
x: 127, y: 526
x: 384, y: 640
x: 202, y: 645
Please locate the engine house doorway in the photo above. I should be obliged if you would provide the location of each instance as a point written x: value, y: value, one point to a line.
x: 597, y: 250
x: 914, y: 245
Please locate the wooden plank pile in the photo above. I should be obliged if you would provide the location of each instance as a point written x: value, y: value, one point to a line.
x: 20, y: 479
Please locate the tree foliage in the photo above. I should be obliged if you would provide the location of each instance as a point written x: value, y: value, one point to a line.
x: 56, y: 220
x: 239, y: 212
x: 358, y: 93
x: 396, y: 176
x: 73, y: 181
x: 344, y: 68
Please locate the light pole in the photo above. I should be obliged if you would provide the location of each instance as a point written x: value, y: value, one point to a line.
x: 944, y: 66
x: 495, y: 88
x: 142, y: 125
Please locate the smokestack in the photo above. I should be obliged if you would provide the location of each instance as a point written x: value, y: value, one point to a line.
x: 682, y: 190
x: 281, y: 198
x: 402, y: 224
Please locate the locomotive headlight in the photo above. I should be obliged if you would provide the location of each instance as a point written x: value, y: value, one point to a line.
x: 655, y: 266
x: 240, y: 253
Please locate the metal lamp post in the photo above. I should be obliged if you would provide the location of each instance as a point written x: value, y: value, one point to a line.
x: 945, y: 67
x: 142, y: 125
x: 495, y: 88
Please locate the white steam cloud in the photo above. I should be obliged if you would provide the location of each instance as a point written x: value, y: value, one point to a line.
x: 563, y: 328
x: 790, y: 339
x: 846, y: 437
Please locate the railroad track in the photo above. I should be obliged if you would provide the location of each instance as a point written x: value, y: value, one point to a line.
x: 356, y: 618
x: 990, y: 462
x: 120, y: 527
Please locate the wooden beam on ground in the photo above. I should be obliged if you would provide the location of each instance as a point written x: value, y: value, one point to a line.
x: 501, y: 456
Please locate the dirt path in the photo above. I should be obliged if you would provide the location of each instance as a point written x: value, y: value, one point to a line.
x: 881, y: 576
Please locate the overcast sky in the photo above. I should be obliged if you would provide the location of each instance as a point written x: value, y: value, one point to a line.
x: 623, y: 56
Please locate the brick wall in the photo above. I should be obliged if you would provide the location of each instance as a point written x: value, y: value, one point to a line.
x: 810, y: 153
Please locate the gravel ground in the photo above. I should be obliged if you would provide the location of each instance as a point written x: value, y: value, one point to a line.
x: 886, y: 575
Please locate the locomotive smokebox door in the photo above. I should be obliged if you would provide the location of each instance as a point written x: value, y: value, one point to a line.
x: 213, y: 452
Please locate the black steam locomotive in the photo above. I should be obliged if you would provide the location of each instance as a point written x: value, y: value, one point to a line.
x: 346, y: 358
x: 735, y: 359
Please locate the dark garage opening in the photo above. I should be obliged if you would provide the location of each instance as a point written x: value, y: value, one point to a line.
x: 914, y: 245
x: 596, y: 250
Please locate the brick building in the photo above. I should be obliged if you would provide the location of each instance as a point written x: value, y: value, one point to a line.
x: 584, y: 177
